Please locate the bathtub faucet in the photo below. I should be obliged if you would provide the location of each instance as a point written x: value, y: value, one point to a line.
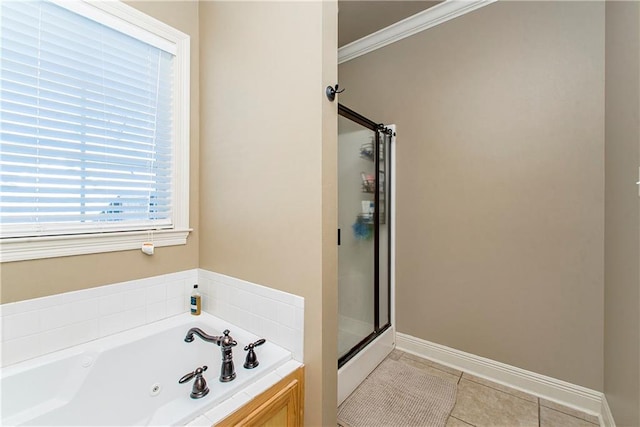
x: 226, y: 343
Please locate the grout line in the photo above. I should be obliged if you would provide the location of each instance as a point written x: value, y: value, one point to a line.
x: 461, y: 420
x: 506, y: 392
x: 558, y: 409
x: 569, y: 415
x: 434, y: 367
x: 539, y: 417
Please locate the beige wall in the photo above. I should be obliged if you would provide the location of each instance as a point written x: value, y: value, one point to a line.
x: 30, y: 279
x: 268, y: 164
x: 500, y: 182
x: 622, y: 213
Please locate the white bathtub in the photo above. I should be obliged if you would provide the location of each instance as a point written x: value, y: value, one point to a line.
x: 130, y: 378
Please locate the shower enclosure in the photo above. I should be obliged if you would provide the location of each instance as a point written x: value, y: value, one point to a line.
x: 364, y: 251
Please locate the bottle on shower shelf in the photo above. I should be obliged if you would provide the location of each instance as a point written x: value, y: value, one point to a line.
x: 196, y: 301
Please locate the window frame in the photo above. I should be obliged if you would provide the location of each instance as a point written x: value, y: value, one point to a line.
x: 130, y: 21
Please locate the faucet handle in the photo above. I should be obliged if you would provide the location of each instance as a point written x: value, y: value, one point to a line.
x: 200, y: 388
x: 190, y: 375
x: 255, y: 344
x: 252, y: 360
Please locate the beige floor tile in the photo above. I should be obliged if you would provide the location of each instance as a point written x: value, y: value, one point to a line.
x: 436, y: 365
x: 396, y: 354
x: 570, y: 411
x: 454, y: 422
x: 481, y: 406
x: 520, y: 394
x: 552, y: 418
x: 430, y: 370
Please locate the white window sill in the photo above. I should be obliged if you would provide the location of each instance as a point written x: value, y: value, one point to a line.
x: 28, y: 248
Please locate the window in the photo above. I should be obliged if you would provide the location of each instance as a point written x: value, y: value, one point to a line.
x: 94, y: 123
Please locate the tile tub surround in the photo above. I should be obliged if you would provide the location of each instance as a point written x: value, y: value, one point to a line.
x: 39, y: 326
x: 275, y: 315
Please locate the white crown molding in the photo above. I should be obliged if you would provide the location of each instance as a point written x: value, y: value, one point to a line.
x: 571, y: 395
x: 421, y: 21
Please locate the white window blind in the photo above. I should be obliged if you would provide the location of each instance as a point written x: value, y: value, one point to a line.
x: 85, y: 125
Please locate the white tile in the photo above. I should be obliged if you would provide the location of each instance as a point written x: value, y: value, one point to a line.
x: 201, y: 421
x: 135, y: 298
x: 279, y: 295
x: 215, y: 286
x: 116, y: 288
x: 175, y: 289
x: 156, y: 311
x: 223, y: 410
x: 241, y: 318
x: 111, y: 324
x: 257, y: 289
x: 288, y: 368
x: 9, y: 309
x: 224, y: 294
x: 56, y: 339
x: 298, y: 351
x: 85, y: 310
x: 84, y: 294
x: 188, y: 287
x: 14, y: 351
x: 56, y: 317
x: 235, y: 296
x: 204, y: 286
x: 152, y: 281
x: 134, y: 318
x: 265, y: 307
x: 83, y: 332
x: 255, y: 325
x: 241, y: 299
x: 184, y: 274
x: 175, y: 306
x: 156, y: 293
x: 270, y: 330
x: 40, y: 303
x: 286, y: 315
x: 210, y: 305
x: 262, y: 384
x: 20, y: 325
x: 286, y: 337
x: 299, y: 324
x: 223, y: 311
x: 111, y: 304
x: 206, y: 304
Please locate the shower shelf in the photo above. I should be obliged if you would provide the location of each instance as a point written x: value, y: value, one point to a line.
x: 366, y: 151
x: 369, y: 187
x: 368, y: 183
x: 365, y: 218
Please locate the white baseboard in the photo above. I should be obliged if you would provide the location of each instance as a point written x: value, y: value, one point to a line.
x: 606, y: 417
x: 571, y: 395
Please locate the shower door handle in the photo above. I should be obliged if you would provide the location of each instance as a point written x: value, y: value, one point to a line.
x: 338, y: 237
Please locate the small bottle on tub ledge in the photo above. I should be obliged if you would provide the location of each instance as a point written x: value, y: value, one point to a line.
x: 196, y: 301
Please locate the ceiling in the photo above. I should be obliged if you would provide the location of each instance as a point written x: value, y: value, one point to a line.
x: 358, y: 18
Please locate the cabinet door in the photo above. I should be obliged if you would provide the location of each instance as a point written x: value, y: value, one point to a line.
x: 281, y: 405
x: 280, y: 410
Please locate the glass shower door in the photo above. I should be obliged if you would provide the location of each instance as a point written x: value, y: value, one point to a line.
x: 364, y: 255
x: 356, y: 223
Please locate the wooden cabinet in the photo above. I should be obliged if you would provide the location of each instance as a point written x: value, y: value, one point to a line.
x: 281, y: 405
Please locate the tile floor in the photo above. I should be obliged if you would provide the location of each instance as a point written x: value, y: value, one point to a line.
x: 483, y: 403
